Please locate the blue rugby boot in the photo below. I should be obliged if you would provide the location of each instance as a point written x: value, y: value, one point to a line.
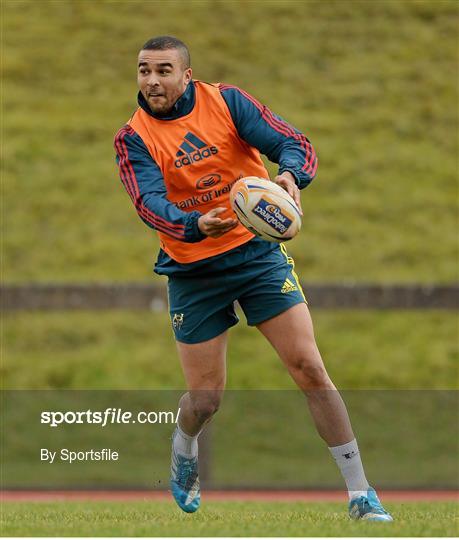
x: 185, y: 481
x: 368, y: 508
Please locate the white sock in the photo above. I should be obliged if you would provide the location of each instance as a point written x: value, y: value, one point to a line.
x: 347, y: 457
x: 185, y: 445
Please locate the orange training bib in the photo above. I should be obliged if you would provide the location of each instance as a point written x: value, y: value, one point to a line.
x: 200, y: 156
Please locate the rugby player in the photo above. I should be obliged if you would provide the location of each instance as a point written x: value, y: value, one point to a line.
x: 178, y: 156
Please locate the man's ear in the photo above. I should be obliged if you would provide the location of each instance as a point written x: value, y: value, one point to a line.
x: 188, y: 75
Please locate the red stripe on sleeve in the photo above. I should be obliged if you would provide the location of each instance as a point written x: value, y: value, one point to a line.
x: 282, y: 127
x: 137, y: 194
x: 129, y: 180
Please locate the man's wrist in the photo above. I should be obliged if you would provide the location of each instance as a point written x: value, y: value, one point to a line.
x: 196, y: 235
x: 288, y: 173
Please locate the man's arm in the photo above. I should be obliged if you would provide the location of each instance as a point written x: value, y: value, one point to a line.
x: 144, y: 183
x: 271, y: 135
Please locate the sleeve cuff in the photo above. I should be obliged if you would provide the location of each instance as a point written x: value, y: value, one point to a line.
x: 301, y: 180
x: 193, y: 234
x: 292, y: 170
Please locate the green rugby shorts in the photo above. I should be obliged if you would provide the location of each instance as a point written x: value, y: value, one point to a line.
x: 203, y: 308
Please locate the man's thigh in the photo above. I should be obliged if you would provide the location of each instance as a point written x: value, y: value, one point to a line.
x: 204, y: 364
x: 291, y: 333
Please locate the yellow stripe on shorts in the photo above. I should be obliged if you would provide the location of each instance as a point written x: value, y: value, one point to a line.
x: 294, y: 274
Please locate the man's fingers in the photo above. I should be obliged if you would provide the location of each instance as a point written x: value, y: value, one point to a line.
x: 217, y: 223
x: 297, y: 199
x: 216, y: 233
x: 227, y: 222
x: 214, y: 226
x: 219, y: 230
x: 216, y: 211
x: 212, y: 219
x: 293, y: 191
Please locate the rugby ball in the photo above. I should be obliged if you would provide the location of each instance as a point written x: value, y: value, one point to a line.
x: 265, y: 209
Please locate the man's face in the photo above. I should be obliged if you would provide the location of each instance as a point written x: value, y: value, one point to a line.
x: 162, y: 78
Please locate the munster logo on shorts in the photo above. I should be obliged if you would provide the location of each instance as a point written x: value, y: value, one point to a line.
x: 177, y: 321
x: 192, y: 150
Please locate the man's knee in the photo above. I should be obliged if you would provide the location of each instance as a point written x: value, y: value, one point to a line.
x: 308, y: 369
x: 205, y: 404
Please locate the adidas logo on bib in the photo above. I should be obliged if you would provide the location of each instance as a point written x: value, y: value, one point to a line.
x: 193, y: 149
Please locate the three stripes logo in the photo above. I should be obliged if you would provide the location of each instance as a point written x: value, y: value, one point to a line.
x: 193, y: 149
x: 288, y: 286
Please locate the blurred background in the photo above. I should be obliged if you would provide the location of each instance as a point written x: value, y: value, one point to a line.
x: 373, y: 84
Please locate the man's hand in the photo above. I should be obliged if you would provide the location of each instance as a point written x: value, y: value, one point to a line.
x: 286, y: 180
x: 211, y: 225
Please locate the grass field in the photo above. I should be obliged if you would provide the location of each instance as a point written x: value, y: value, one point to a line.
x: 410, y: 356
x: 372, y: 83
x: 401, y: 441
x: 221, y: 519
x: 136, y: 350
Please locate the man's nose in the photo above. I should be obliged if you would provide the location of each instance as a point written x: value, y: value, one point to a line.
x: 153, y: 80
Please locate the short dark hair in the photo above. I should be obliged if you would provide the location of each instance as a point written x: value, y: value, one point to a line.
x: 163, y: 43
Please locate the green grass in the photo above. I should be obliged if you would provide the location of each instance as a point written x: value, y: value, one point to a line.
x: 373, y: 84
x: 411, y: 356
x: 391, y: 426
x: 136, y: 350
x: 220, y: 519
